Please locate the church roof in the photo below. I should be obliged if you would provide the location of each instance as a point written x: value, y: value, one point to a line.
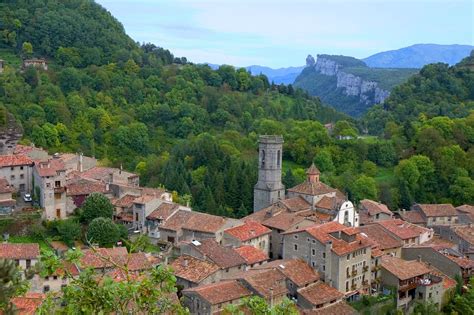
x: 313, y: 170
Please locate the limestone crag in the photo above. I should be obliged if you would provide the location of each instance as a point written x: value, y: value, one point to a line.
x: 10, y: 134
x: 368, y: 91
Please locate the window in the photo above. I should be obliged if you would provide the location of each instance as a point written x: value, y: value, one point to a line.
x: 57, y: 184
x: 324, y: 268
x: 314, y: 241
x: 278, y: 158
x: 58, y: 213
x: 22, y: 176
x: 21, y: 167
x: 347, y: 286
x: 12, y: 177
x: 12, y: 168
x: 313, y: 252
x: 295, y: 247
x: 324, y: 255
x: 48, y: 185
x: 430, y: 295
x: 57, y: 196
x: 348, y: 256
x: 46, y: 278
x: 136, y: 216
x: 295, y: 236
x: 46, y: 288
x: 263, y: 158
x: 28, y: 263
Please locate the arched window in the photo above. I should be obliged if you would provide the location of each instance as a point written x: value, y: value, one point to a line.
x: 263, y: 158
x: 278, y: 158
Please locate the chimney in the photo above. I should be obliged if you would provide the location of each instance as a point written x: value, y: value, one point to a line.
x: 80, y: 166
x: 121, y: 168
x: 419, y: 258
x: 111, y: 177
x: 185, y: 262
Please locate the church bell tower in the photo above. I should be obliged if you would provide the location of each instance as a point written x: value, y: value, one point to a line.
x: 269, y: 188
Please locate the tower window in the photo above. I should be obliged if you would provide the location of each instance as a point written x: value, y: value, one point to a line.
x: 278, y: 158
x: 263, y: 158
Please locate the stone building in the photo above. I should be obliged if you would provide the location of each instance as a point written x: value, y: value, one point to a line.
x: 372, y: 211
x: 18, y: 171
x: 269, y: 188
x: 250, y: 233
x: 25, y: 255
x: 192, y: 272
x: 408, y: 233
x: 37, y: 63
x: 461, y: 235
x: 7, y: 203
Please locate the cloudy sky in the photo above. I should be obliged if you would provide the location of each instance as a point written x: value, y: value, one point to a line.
x: 282, y: 33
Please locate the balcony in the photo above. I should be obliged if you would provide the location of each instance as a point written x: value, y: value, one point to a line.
x: 365, y: 268
x: 365, y: 282
x: 354, y: 273
x: 353, y: 287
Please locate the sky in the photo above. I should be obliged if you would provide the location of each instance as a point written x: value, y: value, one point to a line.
x: 282, y: 33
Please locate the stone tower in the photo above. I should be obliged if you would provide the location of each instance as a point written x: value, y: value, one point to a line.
x: 269, y: 188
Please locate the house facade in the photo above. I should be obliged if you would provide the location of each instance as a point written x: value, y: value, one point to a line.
x: 18, y: 171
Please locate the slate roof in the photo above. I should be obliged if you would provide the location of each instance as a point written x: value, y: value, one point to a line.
x: 220, y: 292
x: 378, y: 234
x: 296, y: 270
x: 402, y: 229
x: 14, y: 160
x: 320, y: 293
x: 437, y: 210
x: 247, y: 231
x: 224, y: 257
x: 251, y: 255
x: 374, y: 207
x: 404, y: 269
x: 19, y: 251
x: 193, y: 269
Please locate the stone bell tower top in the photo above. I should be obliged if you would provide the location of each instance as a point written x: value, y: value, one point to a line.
x: 269, y: 187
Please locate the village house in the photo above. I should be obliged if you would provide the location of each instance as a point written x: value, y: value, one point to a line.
x: 325, y: 199
x: 50, y: 181
x: 7, y: 203
x: 250, y: 233
x: 37, y: 63
x: 461, y: 235
x: 408, y: 233
x: 341, y: 254
x: 192, y: 272
x: 465, y: 214
x: 78, y: 190
x: 18, y: 171
x: 123, y: 209
x: 386, y: 241
x: 31, y: 151
x: 214, y: 298
x: 226, y: 258
x: 25, y: 255
x: 318, y: 295
x: 437, y: 214
x: 372, y: 211
x: 411, y: 280
x: 29, y: 303
x: 202, y: 225
x: 112, y: 175
x: 252, y: 256
x: 142, y: 207
x: 104, y: 260
x: 56, y: 281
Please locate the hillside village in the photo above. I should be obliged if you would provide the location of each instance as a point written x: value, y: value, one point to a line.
x: 308, y: 243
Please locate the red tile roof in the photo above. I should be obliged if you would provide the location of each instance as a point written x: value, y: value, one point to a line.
x: 267, y: 282
x: 106, y: 257
x: 247, y: 231
x: 312, y: 188
x: 320, y: 293
x: 296, y: 270
x: 29, y: 303
x: 297, y: 203
x: 125, y: 202
x: 404, y: 269
x: 50, y: 167
x: 283, y: 221
x: 204, y: 222
x: 438, y: 243
x: 177, y: 221
x: 466, y: 232
x: 251, y: 255
x: 164, y: 211
x: 462, y: 262
x: 402, y: 229
x: 382, y: 237
x: 374, y: 207
x: 85, y: 187
x: 14, y: 160
x: 413, y: 216
x: 19, y: 251
x: 221, y: 292
x: 313, y: 170
x: 193, y: 269
x: 223, y: 256
x: 339, y: 308
x: 437, y: 210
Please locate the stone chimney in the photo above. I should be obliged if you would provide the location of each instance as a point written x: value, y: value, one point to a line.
x: 80, y: 165
x: 313, y: 174
x: 185, y: 262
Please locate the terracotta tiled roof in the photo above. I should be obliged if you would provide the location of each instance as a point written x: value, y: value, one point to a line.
x: 466, y: 232
x: 312, y: 188
x: 320, y: 293
x: 296, y: 270
x: 329, y: 203
x: 267, y: 282
x: 58, y: 245
x: 221, y: 292
x: 50, y: 167
x: 447, y: 281
x: 462, y: 262
x: 119, y: 255
x: 29, y: 303
x: 19, y: 251
x: 164, y: 211
x: 247, y: 231
x: 193, y: 269
x: 71, y: 268
x: 413, y: 216
x: 85, y: 187
x: 376, y: 252
x: 339, y: 308
x: 14, y: 160
x: 224, y: 257
x: 251, y: 255
x: 438, y: 243
x: 404, y: 269
x: 283, y: 221
x: 313, y: 170
x: 437, y: 210
x: 374, y: 207
x: 322, y: 232
x: 177, y: 221
x: 125, y: 202
x: 402, y: 229
x: 382, y: 237
x: 466, y: 210
x: 103, y: 174
x: 145, y: 199
x: 5, y: 186
x: 204, y: 222
x: 297, y: 203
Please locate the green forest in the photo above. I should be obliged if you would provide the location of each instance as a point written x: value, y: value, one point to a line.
x: 194, y: 130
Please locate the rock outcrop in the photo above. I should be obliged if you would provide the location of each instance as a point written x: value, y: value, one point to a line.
x: 10, y: 133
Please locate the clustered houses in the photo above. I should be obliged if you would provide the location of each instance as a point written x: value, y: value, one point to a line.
x: 308, y: 243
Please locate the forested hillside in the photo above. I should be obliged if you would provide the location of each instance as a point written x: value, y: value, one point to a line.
x: 181, y: 125
x: 194, y: 129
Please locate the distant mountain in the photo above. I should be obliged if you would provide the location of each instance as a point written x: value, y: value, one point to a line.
x: 280, y: 75
x: 347, y: 84
x: 419, y: 55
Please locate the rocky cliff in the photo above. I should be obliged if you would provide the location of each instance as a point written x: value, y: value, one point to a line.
x: 347, y: 84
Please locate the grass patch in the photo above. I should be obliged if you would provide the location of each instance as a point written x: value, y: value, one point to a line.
x: 385, y: 175
x: 30, y: 239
